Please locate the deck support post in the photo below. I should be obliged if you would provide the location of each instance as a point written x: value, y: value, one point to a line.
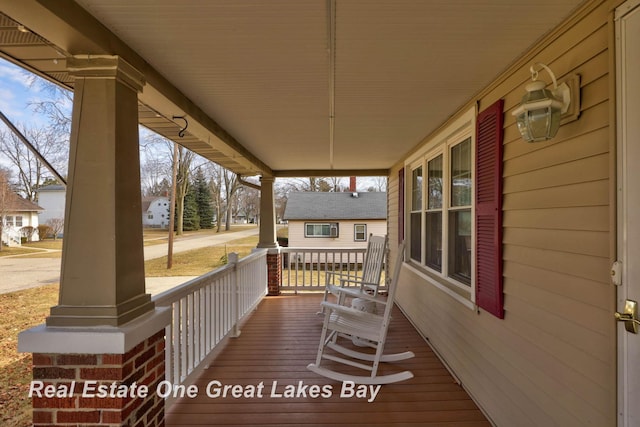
x: 102, y: 276
x: 105, y: 330
x: 268, y: 235
x: 267, y: 214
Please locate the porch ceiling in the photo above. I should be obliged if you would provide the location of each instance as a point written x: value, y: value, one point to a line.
x: 290, y: 87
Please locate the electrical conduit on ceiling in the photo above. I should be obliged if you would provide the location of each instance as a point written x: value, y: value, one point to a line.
x: 331, y: 51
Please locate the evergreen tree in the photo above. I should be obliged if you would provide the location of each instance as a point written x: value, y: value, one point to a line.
x: 204, y: 200
x: 191, y: 220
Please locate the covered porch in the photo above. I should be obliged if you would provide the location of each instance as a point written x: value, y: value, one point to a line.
x: 278, y: 341
x: 340, y: 88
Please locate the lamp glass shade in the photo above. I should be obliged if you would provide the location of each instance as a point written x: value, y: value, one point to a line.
x: 538, y: 116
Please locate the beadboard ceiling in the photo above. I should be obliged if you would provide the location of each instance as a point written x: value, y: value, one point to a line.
x: 289, y: 86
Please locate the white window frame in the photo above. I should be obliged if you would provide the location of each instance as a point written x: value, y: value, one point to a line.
x: 410, y: 209
x: 332, y: 226
x: 18, y: 220
x: 441, y: 144
x: 355, y: 232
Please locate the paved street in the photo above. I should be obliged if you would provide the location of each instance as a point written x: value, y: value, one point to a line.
x: 22, y: 272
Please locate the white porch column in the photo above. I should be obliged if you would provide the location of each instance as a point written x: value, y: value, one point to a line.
x: 102, y: 279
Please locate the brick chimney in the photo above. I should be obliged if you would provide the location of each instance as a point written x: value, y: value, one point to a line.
x: 352, y: 184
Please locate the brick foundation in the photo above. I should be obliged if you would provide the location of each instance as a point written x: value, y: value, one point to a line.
x: 142, y: 365
x: 274, y: 273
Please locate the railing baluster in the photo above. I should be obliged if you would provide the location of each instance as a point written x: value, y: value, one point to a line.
x: 305, y: 268
x: 205, y: 310
x: 175, y: 341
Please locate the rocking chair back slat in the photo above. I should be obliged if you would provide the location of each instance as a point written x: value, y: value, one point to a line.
x: 374, y: 259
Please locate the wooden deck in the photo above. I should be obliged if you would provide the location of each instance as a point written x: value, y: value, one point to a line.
x: 275, y: 346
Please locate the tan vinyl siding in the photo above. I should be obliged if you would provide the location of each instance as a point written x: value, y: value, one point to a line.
x: 552, y: 360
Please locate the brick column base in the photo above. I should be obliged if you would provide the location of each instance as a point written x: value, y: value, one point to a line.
x: 274, y: 273
x: 116, y: 373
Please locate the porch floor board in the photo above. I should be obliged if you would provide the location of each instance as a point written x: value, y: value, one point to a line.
x: 275, y: 346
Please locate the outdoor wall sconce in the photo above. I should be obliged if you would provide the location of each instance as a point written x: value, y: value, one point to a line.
x: 541, y: 110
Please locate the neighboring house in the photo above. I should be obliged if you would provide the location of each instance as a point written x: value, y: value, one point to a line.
x: 320, y: 219
x: 52, y: 199
x: 155, y: 212
x: 16, y: 214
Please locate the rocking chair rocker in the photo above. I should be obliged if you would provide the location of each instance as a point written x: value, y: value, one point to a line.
x: 344, y: 321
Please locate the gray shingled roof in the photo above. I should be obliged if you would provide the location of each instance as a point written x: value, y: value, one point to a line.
x: 325, y: 206
x: 52, y: 187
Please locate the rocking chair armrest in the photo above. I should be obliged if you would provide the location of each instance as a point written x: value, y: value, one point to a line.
x: 357, y: 281
x: 342, y: 278
x: 355, y: 293
x: 338, y: 275
x: 350, y: 311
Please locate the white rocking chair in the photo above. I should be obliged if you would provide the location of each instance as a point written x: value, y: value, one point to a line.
x: 369, y: 283
x: 345, y: 321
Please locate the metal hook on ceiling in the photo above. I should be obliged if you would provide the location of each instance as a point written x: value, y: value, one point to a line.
x: 186, y: 125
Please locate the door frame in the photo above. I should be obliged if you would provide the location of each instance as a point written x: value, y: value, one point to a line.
x: 619, y: 271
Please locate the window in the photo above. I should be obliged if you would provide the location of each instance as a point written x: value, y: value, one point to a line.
x: 416, y: 215
x: 150, y: 216
x: 9, y: 220
x: 18, y: 221
x: 448, y: 211
x: 433, y: 236
x: 460, y: 212
x: 456, y: 234
x: 441, y: 220
x: 321, y: 229
x: 360, y: 232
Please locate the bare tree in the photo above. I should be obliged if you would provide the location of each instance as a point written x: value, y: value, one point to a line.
x: 378, y: 184
x: 31, y: 173
x: 280, y: 190
x: 335, y: 183
x: 214, y: 172
x: 185, y: 157
x: 155, y: 163
x: 56, y: 225
x: 56, y: 104
x: 231, y: 186
x: 156, y: 171
x: 247, y: 202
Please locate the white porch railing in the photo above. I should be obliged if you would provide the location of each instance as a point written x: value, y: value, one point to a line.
x: 11, y: 236
x: 208, y: 309
x: 305, y: 269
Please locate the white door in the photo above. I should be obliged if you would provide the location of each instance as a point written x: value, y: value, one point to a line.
x: 628, y: 128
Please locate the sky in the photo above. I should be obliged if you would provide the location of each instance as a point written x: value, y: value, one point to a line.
x: 16, y: 91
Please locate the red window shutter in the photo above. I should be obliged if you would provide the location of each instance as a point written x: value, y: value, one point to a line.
x: 489, y: 132
x: 401, y: 205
